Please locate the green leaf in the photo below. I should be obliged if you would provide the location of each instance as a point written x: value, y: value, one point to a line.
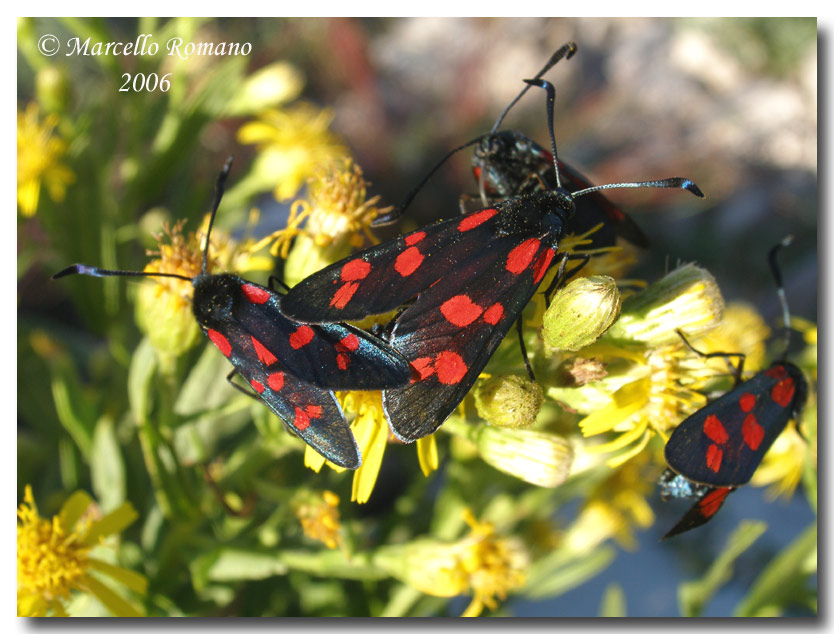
x: 205, y: 388
x: 198, y: 440
x: 559, y: 572
x: 75, y: 412
x: 693, y: 595
x: 143, y: 366
x: 613, y: 601
x: 107, y: 469
x: 235, y: 564
x: 784, y: 580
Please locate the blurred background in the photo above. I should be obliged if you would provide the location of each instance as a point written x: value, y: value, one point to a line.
x: 728, y: 103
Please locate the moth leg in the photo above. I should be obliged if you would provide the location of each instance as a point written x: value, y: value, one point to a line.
x: 524, y: 349
x: 562, y: 275
x: 736, y: 371
x: 275, y: 281
x: 238, y: 387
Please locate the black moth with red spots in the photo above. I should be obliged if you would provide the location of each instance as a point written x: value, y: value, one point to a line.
x: 508, y: 164
x: 291, y: 366
x: 720, y: 446
x: 471, y: 277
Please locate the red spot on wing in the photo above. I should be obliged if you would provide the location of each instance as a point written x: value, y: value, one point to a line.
x: 783, y: 392
x: 342, y: 296
x: 712, y: 501
x: 423, y: 367
x: 520, y: 258
x: 747, y: 401
x: 450, y: 367
x: 301, y: 337
x: 275, y: 381
x: 776, y: 372
x: 302, y: 420
x: 264, y: 355
x: 414, y: 238
x: 220, y: 341
x: 255, y: 294
x: 313, y: 411
x: 715, y: 430
x: 542, y: 264
x: 408, y: 261
x: 257, y: 385
x: 476, y: 218
x: 752, y: 432
x: 460, y: 310
x: 355, y: 270
x: 494, y: 314
x: 714, y: 455
x: 349, y: 343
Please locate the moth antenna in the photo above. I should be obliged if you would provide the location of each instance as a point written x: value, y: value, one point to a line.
x: 565, y: 51
x: 780, y: 289
x: 219, y: 188
x: 94, y: 271
x: 390, y: 217
x: 667, y: 183
x: 551, y: 98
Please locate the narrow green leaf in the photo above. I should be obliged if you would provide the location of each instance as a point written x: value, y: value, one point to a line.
x: 205, y: 388
x: 143, y: 366
x: 235, y: 564
x: 74, y: 412
x: 556, y: 573
x: 693, y: 595
x: 107, y: 469
x: 784, y: 580
x: 613, y: 601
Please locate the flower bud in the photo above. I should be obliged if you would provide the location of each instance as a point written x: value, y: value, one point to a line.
x: 687, y: 299
x: 166, y: 317
x: 536, y: 457
x: 581, y: 312
x: 508, y: 401
x: 52, y: 88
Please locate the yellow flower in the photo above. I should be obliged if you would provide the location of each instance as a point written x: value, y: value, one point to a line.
x: 613, y: 507
x: 163, y: 306
x: 54, y: 557
x: 371, y: 432
x: 38, y: 160
x: 652, y: 379
x: 656, y: 396
x: 483, y: 564
x: 319, y: 519
x: 338, y: 215
x: 292, y: 143
x: 271, y: 85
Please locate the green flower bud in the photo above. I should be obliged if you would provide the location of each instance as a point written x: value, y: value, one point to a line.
x: 536, y: 457
x: 687, y: 299
x: 581, y: 312
x: 166, y: 317
x: 508, y: 401
x: 52, y: 88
